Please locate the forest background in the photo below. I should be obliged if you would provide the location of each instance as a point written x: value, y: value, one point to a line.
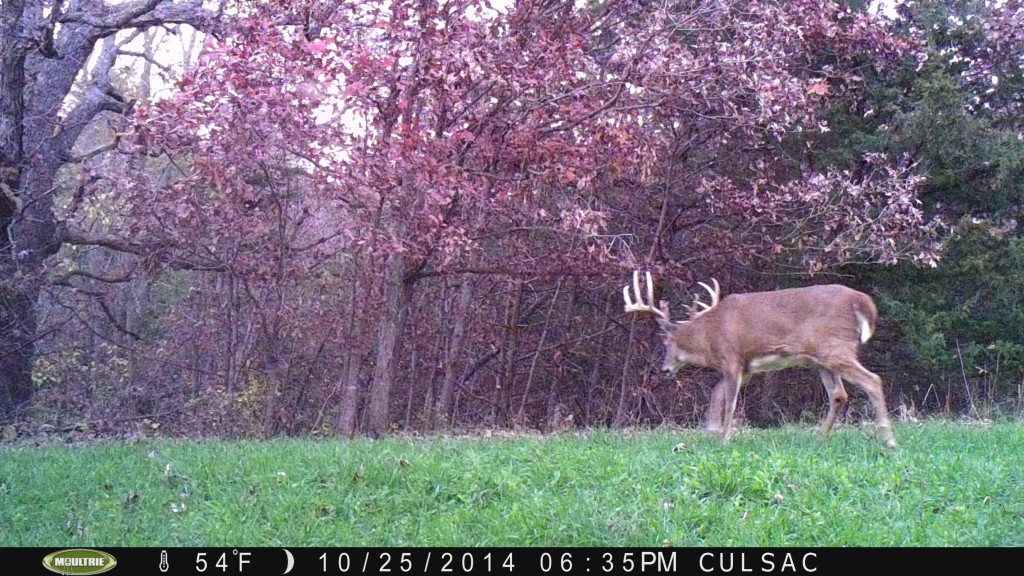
x: 355, y: 218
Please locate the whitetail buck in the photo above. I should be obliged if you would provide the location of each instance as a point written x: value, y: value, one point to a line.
x: 817, y: 327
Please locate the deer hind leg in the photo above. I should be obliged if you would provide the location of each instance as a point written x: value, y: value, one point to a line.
x: 836, y: 398
x: 869, y: 382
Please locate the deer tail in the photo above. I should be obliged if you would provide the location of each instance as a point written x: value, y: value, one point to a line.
x: 866, y: 314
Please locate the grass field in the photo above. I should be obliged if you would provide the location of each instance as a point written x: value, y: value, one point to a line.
x: 947, y: 484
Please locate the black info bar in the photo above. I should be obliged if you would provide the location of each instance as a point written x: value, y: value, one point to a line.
x: 501, y: 561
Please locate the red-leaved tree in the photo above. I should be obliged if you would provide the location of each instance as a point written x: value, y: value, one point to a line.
x: 441, y: 197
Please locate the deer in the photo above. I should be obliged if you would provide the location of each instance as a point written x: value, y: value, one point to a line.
x: 819, y: 327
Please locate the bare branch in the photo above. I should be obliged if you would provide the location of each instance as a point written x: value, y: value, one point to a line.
x: 100, y: 96
x: 100, y: 298
x: 65, y: 278
x: 78, y: 158
x: 143, y: 14
x: 152, y: 252
x: 147, y: 58
x: 111, y: 20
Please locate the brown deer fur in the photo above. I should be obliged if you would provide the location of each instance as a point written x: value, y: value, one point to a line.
x: 819, y: 327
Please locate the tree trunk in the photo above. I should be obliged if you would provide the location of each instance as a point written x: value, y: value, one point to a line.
x: 392, y: 323
x: 510, y: 348
x: 444, y: 397
x: 277, y: 374
x: 410, y: 389
x: 536, y: 354
x: 621, y: 412
x: 593, y: 381
x: 350, y: 396
x: 29, y: 237
x: 17, y: 346
x: 17, y: 316
x: 353, y: 365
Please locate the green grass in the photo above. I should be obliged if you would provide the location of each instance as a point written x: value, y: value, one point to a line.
x: 948, y: 484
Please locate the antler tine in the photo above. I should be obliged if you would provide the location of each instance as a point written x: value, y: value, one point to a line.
x: 636, y: 289
x: 714, y: 292
x: 650, y: 290
x: 638, y: 305
x: 632, y: 306
x: 703, y: 307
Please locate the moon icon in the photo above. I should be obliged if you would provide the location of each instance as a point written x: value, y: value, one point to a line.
x: 291, y: 561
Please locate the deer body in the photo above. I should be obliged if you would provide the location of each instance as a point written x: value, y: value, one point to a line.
x: 818, y: 327
x: 757, y: 328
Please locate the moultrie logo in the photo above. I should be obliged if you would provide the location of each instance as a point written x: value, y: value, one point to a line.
x: 79, y: 561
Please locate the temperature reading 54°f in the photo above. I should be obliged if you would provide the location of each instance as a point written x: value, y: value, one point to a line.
x: 223, y: 561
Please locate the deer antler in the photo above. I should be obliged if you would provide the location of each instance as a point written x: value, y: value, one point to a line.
x: 715, y: 294
x: 638, y: 304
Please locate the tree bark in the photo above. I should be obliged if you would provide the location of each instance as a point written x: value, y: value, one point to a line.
x: 392, y: 323
x: 17, y: 316
x: 444, y: 397
x: 621, y: 412
x: 536, y: 354
x: 17, y: 346
x: 510, y: 348
x: 350, y: 396
x: 353, y: 365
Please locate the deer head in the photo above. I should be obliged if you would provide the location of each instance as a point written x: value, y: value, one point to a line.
x: 683, y: 344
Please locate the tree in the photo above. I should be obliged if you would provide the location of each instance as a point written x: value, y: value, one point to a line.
x: 353, y: 160
x: 46, y: 45
x: 957, y: 117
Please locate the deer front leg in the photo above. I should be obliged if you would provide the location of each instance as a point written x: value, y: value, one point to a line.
x: 716, y: 408
x: 732, y: 381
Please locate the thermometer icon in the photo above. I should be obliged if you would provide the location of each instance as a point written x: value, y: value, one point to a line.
x: 163, y: 561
